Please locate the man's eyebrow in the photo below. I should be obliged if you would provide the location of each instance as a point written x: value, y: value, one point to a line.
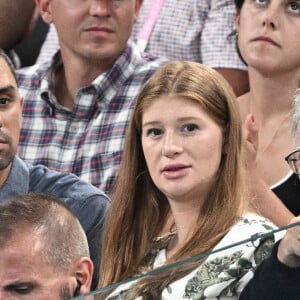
x: 7, y: 89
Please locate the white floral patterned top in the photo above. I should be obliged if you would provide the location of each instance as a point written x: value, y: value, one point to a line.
x: 224, y: 274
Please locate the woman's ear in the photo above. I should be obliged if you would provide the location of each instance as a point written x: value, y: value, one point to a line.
x: 44, y: 7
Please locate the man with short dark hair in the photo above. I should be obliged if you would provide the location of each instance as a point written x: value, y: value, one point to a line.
x: 88, y: 203
x: 44, y: 252
x: 77, y: 105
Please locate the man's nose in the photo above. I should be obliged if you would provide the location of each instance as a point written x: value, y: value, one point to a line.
x: 100, y: 8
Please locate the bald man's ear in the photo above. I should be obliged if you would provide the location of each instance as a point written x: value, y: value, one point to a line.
x: 84, y: 269
x: 44, y: 7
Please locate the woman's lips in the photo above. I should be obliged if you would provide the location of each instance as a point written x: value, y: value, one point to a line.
x: 175, y: 171
x: 267, y: 40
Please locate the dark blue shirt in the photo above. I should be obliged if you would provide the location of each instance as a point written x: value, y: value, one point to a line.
x: 87, y: 202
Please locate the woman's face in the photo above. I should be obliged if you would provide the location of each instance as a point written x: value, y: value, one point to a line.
x: 268, y: 34
x: 182, y: 146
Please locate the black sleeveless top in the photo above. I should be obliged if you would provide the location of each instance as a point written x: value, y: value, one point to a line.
x: 289, y: 193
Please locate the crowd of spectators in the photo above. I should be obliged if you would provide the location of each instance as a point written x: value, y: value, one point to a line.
x: 156, y: 130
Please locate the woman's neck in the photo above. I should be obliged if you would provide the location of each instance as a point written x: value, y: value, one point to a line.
x: 184, y: 223
x: 271, y: 95
x: 270, y: 100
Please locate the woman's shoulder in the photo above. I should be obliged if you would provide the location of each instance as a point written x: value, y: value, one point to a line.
x: 251, y: 225
x: 253, y: 220
x: 245, y: 236
x: 229, y: 266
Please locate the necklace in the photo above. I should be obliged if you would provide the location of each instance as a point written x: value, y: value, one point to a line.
x: 273, y: 137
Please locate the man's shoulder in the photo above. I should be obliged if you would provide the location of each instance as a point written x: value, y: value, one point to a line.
x: 33, y: 75
x: 143, y: 65
x: 150, y: 63
x: 65, y: 186
x: 146, y: 61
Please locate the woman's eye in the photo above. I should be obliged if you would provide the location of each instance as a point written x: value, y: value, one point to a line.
x: 260, y: 2
x: 190, y: 127
x: 154, y: 132
x: 294, y: 7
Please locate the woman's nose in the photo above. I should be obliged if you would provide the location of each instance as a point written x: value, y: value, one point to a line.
x: 172, y: 145
x: 271, y: 18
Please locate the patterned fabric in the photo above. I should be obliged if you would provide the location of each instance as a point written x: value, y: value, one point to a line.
x: 224, y: 274
x: 197, y: 30
x: 87, y: 140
